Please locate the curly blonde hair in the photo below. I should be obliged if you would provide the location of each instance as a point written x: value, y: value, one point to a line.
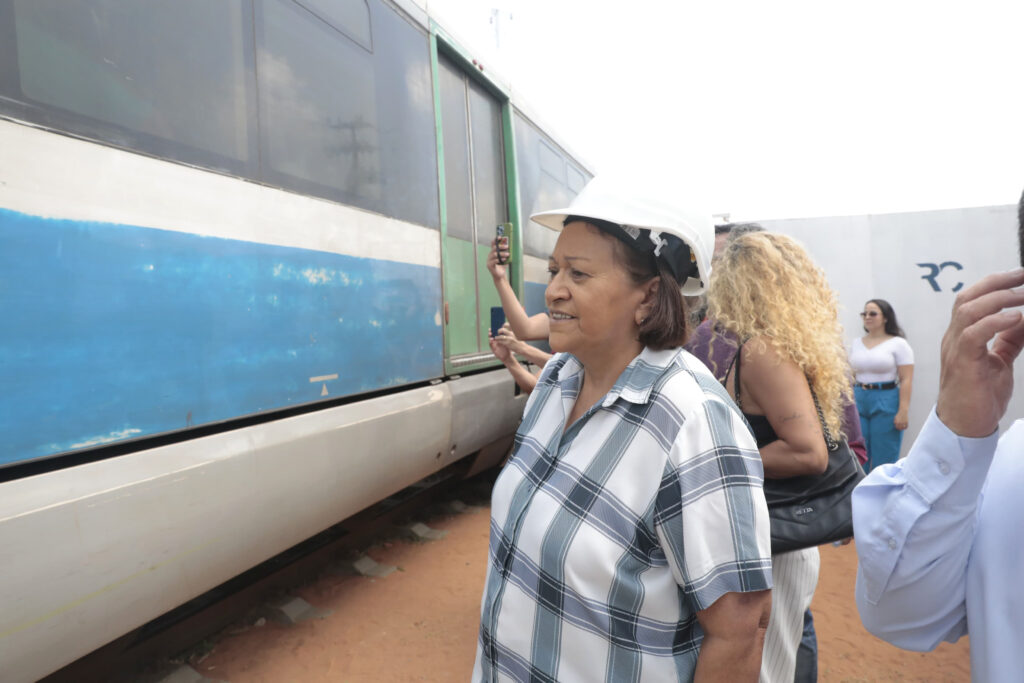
x: 765, y: 285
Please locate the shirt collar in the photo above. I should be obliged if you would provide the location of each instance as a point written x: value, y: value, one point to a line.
x: 636, y: 381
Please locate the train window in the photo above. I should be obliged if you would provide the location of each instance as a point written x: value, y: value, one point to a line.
x: 351, y: 17
x: 488, y: 162
x: 455, y: 130
x: 344, y: 123
x: 135, y: 74
x: 318, y: 106
x: 543, y: 183
x: 576, y: 179
x: 405, y: 90
x: 551, y: 162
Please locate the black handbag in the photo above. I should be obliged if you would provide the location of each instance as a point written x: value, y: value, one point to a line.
x: 811, y: 510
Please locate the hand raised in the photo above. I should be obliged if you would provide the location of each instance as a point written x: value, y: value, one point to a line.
x: 976, y: 382
x: 507, y: 338
x: 500, y: 351
x: 498, y: 270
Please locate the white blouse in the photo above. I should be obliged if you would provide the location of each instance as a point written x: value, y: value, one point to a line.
x: 879, y: 363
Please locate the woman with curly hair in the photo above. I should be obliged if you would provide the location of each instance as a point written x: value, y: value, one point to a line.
x: 770, y: 300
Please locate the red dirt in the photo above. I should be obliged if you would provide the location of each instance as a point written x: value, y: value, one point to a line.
x: 420, y: 623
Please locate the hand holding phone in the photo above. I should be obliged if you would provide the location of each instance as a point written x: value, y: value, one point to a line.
x: 497, y: 320
x: 498, y: 240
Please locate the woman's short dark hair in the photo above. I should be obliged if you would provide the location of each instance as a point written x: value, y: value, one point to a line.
x: 668, y: 324
x: 889, y: 316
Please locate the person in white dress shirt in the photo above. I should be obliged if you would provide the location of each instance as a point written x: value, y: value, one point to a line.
x: 938, y: 533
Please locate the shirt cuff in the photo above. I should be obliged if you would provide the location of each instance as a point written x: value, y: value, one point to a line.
x: 939, y: 458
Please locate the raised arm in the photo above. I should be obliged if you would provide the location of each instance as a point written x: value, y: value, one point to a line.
x: 914, y: 521
x: 507, y: 337
x: 521, y: 375
x: 525, y: 326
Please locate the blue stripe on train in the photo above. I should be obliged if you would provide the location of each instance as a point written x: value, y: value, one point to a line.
x: 111, y: 332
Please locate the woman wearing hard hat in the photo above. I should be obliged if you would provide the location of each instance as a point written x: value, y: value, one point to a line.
x: 767, y: 292
x: 629, y: 532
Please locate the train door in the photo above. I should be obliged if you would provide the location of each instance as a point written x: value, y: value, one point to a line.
x: 475, y: 200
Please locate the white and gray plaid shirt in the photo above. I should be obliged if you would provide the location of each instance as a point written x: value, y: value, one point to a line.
x: 607, y: 539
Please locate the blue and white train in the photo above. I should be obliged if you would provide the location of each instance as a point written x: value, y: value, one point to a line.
x: 242, y: 289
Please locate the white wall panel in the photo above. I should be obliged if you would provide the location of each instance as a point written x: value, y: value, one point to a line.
x: 877, y: 256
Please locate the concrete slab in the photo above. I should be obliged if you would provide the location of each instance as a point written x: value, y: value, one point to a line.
x: 456, y: 506
x: 292, y: 610
x: 421, y: 532
x: 364, y: 565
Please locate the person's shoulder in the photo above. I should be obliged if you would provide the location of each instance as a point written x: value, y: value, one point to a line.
x: 699, y: 400
x: 901, y: 342
x: 899, y: 348
x: 688, y: 383
x: 762, y: 351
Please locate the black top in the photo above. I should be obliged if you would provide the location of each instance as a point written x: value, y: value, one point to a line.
x: 763, y: 431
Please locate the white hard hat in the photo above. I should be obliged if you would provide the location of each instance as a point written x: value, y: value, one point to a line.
x: 644, y: 221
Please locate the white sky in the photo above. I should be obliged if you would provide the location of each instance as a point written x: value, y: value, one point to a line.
x: 774, y: 109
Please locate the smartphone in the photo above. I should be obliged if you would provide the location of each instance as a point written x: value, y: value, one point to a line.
x: 499, y: 233
x: 497, y: 319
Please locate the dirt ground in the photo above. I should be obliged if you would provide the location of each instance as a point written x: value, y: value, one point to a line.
x: 420, y: 623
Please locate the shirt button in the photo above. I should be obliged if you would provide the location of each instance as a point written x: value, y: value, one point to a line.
x: 892, y: 543
x: 943, y: 467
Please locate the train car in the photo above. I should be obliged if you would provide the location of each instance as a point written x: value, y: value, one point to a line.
x: 242, y: 288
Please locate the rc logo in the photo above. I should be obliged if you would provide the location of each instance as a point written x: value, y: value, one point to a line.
x: 933, y: 274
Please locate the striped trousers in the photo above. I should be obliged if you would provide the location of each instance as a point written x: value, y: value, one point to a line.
x: 794, y: 577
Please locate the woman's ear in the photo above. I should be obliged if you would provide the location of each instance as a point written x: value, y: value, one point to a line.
x: 647, y: 303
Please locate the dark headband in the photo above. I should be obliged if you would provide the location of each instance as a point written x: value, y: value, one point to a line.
x: 673, y: 252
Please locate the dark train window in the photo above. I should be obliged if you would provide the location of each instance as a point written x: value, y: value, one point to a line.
x: 488, y: 162
x: 318, y: 105
x: 405, y: 92
x: 547, y: 180
x: 474, y: 156
x: 342, y: 122
x: 455, y: 133
x: 169, y: 79
x: 345, y: 91
x: 352, y: 17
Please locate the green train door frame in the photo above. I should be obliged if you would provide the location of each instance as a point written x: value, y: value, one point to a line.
x: 466, y: 284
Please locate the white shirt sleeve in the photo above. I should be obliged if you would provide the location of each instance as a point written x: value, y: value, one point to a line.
x: 902, y: 353
x: 914, y: 525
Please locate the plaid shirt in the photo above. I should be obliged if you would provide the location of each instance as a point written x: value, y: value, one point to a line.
x: 607, y: 539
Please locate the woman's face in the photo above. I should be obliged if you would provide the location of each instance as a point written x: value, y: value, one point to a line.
x: 593, y: 305
x: 873, y: 319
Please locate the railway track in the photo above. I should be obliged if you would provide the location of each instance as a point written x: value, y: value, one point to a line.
x: 163, y: 650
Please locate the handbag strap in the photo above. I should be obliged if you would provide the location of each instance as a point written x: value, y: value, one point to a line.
x: 830, y: 442
x: 736, y: 380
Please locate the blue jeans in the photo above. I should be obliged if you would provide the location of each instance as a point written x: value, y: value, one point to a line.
x: 877, y: 408
x: 807, y: 653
